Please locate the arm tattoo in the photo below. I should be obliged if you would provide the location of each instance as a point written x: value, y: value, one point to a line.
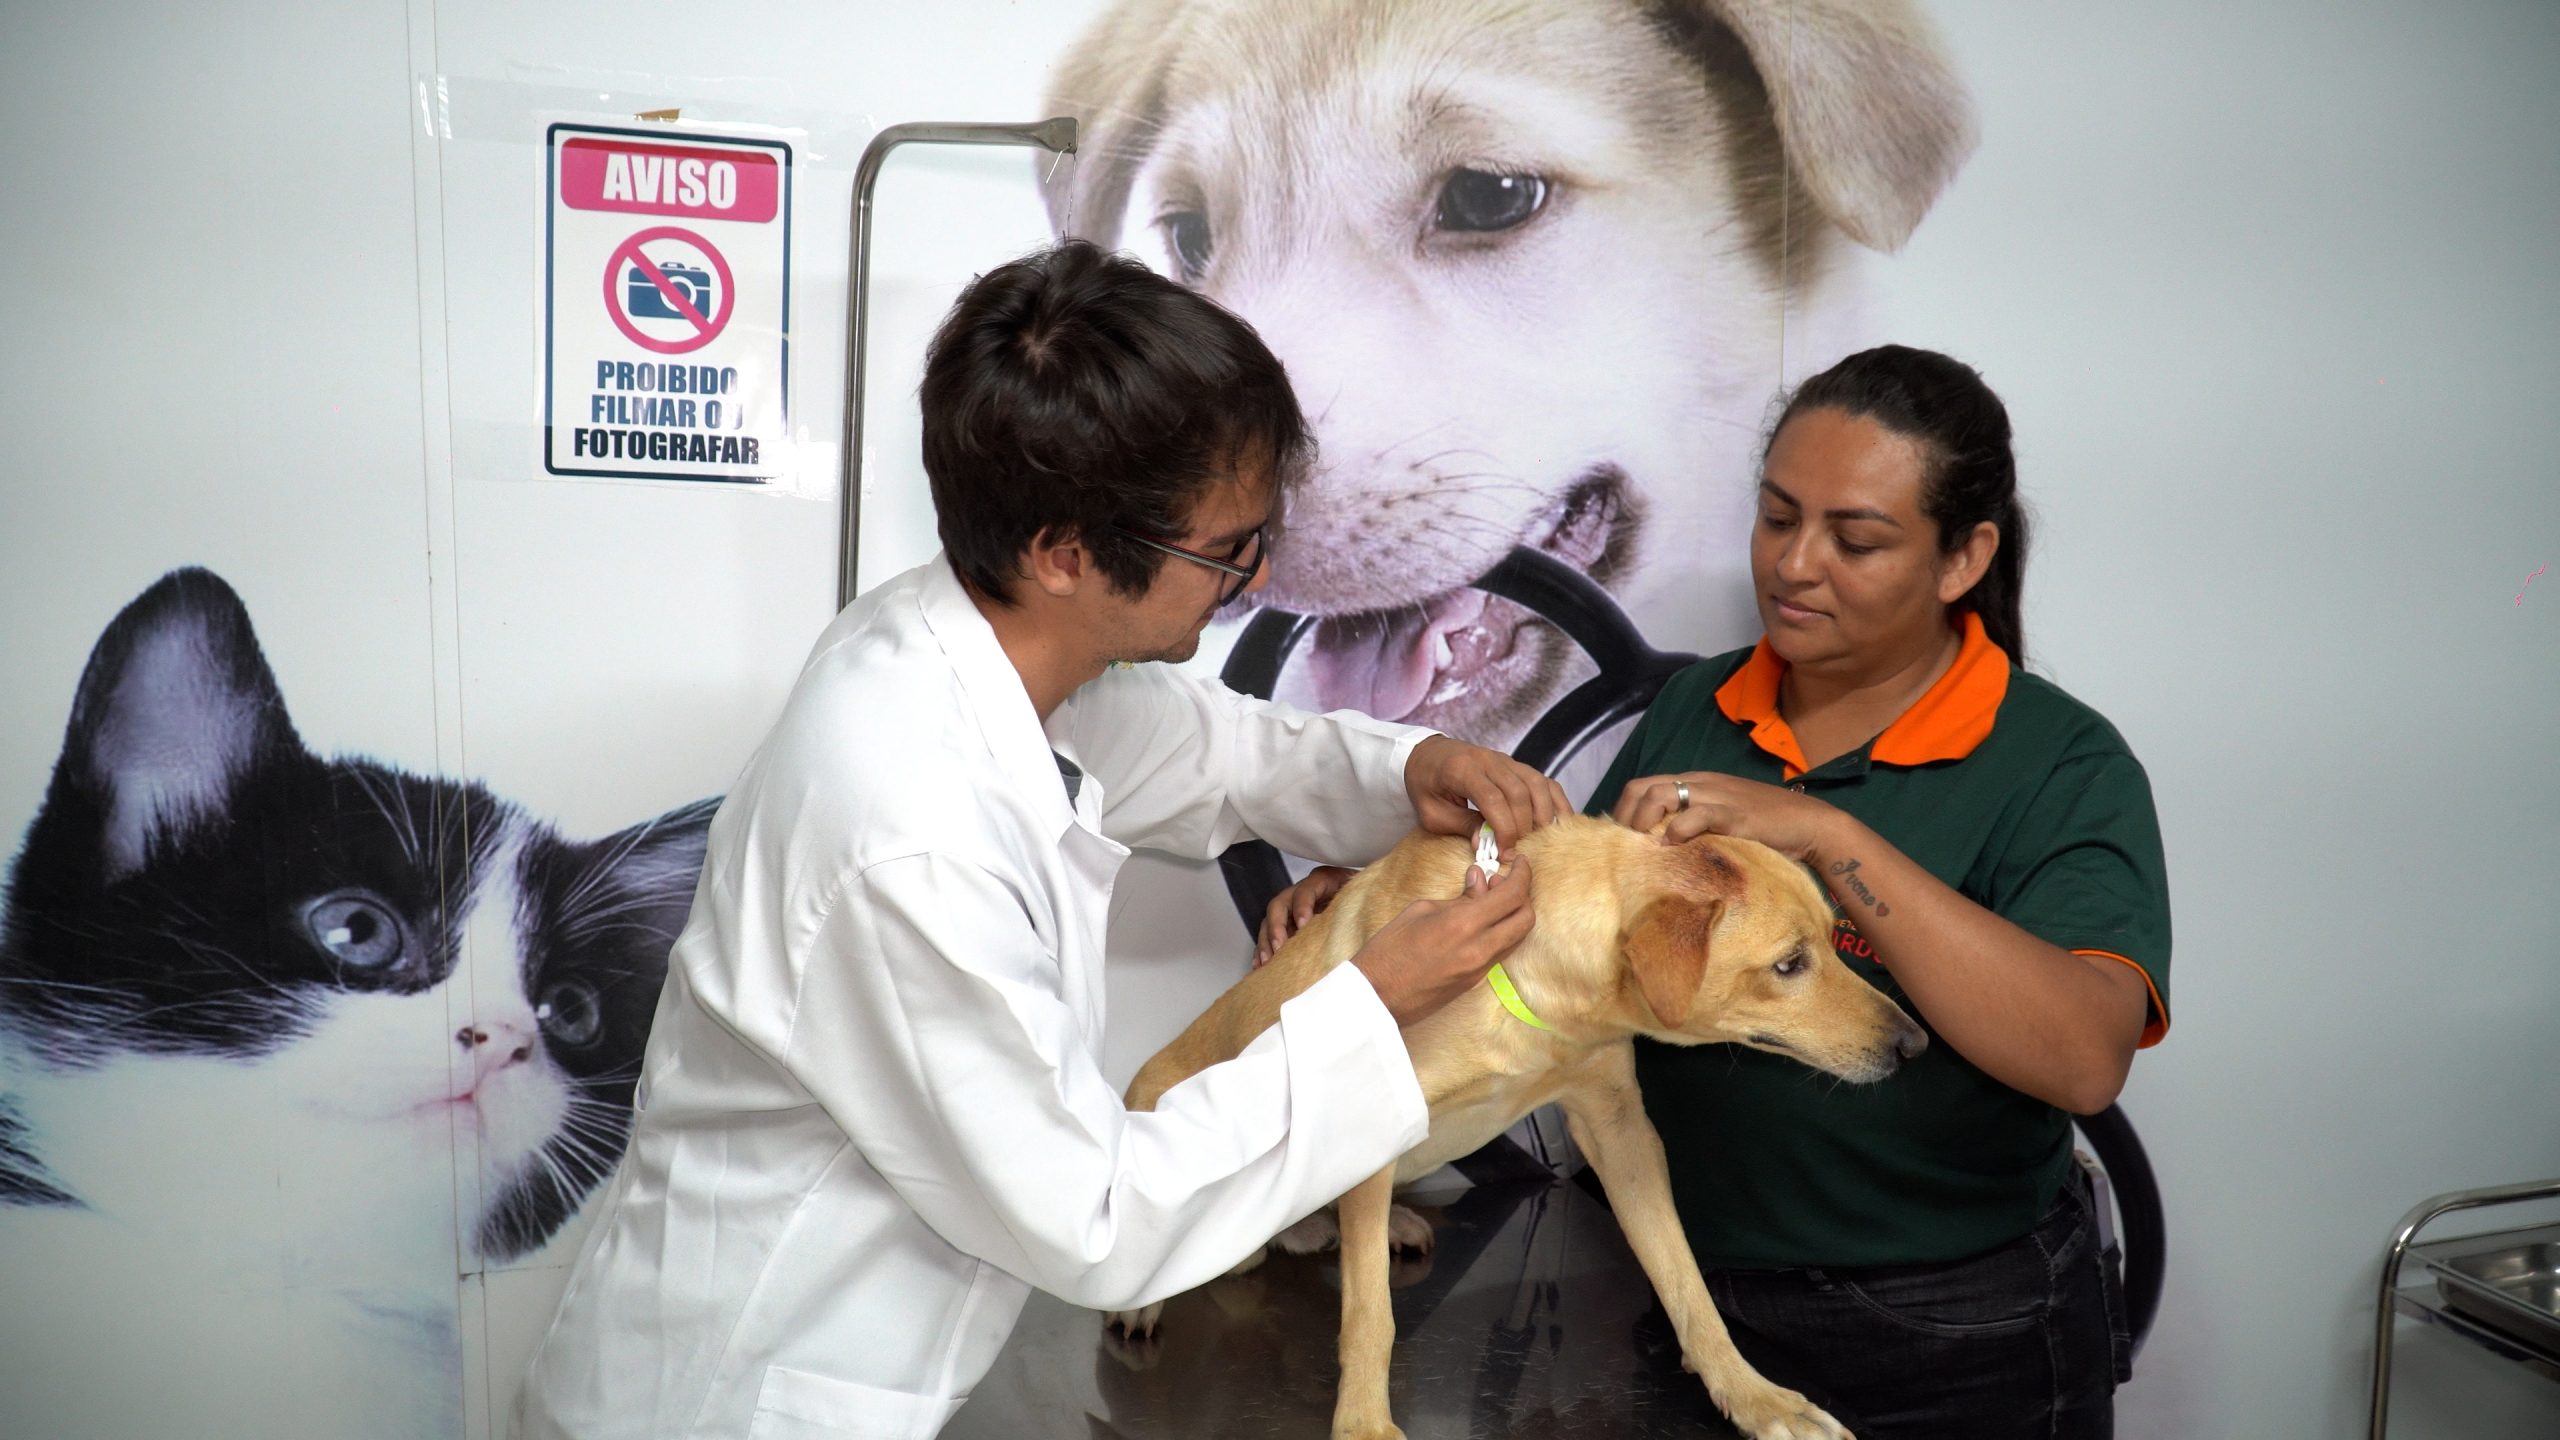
x: 1847, y: 870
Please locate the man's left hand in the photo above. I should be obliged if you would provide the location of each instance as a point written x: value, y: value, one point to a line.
x: 1455, y: 786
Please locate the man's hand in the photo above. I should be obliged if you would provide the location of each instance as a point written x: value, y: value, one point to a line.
x: 1434, y: 951
x: 1291, y: 909
x: 1446, y: 777
x: 1795, y: 825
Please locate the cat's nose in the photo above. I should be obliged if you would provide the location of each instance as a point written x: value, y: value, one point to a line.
x: 472, y: 1037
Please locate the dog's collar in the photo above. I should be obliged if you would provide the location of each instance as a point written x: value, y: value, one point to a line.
x: 1510, y: 997
x: 1489, y: 859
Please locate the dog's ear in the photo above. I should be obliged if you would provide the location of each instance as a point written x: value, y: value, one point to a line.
x: 1666, y: 950
x: 1113, y: 81
x: 1874, y: 119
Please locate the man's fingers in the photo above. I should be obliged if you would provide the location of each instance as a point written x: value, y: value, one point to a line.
x: 1510, y: 930
x: 1553, y: 805
x: 1513, y: 781
x: 1505, y: 894
x: 1498, y: 812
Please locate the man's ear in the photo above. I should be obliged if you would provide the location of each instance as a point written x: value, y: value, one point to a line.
x: 1056, y: 561
x: 1666, y: 950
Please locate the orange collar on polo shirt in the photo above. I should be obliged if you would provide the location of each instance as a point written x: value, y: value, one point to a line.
x: 1943, y: 724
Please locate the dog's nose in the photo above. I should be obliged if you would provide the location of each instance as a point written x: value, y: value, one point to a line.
x: 1911, y: 1041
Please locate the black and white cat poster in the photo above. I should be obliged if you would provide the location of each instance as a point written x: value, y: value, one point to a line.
x: 289, y: 1041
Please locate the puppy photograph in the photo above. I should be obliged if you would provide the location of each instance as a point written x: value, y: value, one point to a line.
x: 1532, y: 268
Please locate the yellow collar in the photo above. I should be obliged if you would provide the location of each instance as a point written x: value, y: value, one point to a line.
x: 1510, y: 998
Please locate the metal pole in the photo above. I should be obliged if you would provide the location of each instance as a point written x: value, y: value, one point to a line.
x: 2410, y: 1224
x: 1057, y: 136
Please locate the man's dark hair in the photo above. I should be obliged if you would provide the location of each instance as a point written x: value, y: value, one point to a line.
x: 1077, y: 391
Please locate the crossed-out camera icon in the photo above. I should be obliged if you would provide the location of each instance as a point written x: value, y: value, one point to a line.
x: 646, y: 301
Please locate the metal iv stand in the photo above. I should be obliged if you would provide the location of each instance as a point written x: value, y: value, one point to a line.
x: 1057, y: 136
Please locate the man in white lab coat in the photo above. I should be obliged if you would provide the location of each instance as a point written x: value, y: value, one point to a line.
x: 871, y: 1119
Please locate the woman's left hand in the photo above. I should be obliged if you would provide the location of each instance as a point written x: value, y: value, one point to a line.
x: 1793, y: 824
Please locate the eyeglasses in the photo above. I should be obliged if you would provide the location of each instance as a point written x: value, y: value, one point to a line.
x: 1241, y: 566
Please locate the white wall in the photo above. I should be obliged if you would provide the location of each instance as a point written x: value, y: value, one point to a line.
x: 2268, y: 288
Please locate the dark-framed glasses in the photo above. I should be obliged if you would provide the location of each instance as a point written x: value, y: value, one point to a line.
x: 1240, y: 567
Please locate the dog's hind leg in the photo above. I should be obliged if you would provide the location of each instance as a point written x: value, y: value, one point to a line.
x: 1607, y: 1120
x: 1368, y: 1319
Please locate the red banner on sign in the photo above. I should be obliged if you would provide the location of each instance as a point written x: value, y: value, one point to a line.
x: 669, y: 180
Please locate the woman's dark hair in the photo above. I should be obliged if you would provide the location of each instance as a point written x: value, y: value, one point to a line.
x: 1962, y: 430
x: 1074, y: 390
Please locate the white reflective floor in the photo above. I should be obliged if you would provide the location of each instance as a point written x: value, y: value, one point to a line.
x: 1529, y: 1320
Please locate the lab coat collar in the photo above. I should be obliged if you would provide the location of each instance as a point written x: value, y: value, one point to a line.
x: 1002, y: 708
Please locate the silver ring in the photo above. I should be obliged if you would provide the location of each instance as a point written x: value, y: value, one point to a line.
x: 1681, y: 789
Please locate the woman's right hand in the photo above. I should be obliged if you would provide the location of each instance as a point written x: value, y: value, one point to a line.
x: 1291, y: 909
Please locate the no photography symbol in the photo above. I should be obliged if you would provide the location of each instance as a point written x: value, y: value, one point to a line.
x: 638, y: 288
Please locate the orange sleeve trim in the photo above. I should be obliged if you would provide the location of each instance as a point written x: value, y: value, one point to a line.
x: 2156, y: 1024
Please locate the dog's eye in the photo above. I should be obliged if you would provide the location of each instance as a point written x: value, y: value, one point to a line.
x: 1481, y: 200
x: 1186, y: 234
x: 1794, y: 963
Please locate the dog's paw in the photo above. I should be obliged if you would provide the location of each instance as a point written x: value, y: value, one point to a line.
x: 1367, y: 1430
x: 1407, y: 1231
x: 1137, y: 1324
x: 1774, y: 1412
x: 1316, y: 1232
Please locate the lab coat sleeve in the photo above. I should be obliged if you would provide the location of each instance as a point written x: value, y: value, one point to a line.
x: 1190, y: 766
x: 934, y: 1028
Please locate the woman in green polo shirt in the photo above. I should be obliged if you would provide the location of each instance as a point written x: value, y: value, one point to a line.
x: 1916, y: 1255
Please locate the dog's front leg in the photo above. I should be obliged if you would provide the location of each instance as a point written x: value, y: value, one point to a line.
x: 1368, y: 1318
x: 1608, y: 1122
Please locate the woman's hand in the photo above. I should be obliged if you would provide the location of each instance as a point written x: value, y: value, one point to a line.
x: 1291, y: 909
x: 1789, y: 822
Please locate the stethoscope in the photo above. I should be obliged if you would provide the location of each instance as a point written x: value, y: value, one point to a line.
x: 1632, y: 672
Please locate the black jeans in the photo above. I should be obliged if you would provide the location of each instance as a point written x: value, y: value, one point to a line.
x: 2027, y: 1340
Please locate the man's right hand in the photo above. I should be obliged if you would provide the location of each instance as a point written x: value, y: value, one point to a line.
x: 1436, y: 949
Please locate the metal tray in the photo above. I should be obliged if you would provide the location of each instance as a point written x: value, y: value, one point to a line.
x: 2508, y: 1281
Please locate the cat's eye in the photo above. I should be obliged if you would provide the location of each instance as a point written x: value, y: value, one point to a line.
x: 570, y: 1013
x: 358, y: 931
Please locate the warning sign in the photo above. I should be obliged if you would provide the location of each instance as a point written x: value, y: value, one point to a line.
x: 677, y: 365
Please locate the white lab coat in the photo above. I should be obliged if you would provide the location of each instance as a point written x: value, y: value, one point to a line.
x: 870, y: 1116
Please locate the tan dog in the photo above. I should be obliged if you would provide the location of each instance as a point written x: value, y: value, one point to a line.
x: 1530, y: 264
x: 1716, y: 940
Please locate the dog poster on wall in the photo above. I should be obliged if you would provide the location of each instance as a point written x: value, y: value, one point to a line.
x: 1534, y: 269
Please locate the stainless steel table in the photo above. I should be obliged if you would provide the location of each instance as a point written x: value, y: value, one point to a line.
x: 2499, y: 1291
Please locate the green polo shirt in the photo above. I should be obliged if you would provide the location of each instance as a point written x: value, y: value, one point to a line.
x: 2016, y: 795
